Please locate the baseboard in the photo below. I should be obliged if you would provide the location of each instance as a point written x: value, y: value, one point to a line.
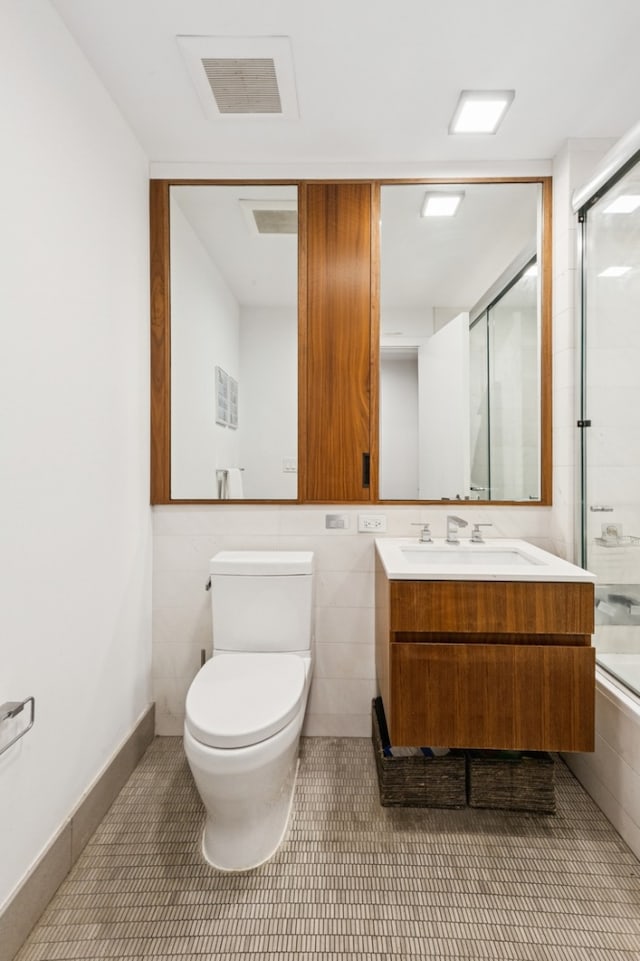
x: 21, y: 913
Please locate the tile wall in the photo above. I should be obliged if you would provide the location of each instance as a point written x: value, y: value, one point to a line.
x: 185, y: 537
x: 611, y: 774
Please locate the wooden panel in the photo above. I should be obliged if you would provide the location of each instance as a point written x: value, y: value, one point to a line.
x: 303, y: 449
x: 383, y: 648
x: 160, y: 343
x: 492, y: 696
x: 492, y: 607
x: 546, y: 358
x: 338, y: 341
x: 447, y: 637
x: 374, y: 365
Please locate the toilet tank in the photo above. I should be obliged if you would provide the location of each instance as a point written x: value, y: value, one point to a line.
x: 262, y: 601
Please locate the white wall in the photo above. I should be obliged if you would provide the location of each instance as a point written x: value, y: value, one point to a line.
x: 205, y: 333
x: 399, y: 439
x: 75, y: 545
x: 444, y: 429
x: 268, y: 401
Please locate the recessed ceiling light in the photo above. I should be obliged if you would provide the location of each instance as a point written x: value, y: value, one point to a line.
x: 614, y: 272
x: 440, y: 203
x: 624, y: 204
x: 480, y: 111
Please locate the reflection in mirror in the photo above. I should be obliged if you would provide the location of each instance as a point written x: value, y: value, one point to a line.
x: 460, y: 361
x: 234, y: 360
x: 504, y: 393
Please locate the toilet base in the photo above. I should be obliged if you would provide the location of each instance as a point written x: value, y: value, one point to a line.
x: 272, y: 833
x: 247, y: 794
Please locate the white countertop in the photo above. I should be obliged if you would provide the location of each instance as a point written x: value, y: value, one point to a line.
x: 496, y: 559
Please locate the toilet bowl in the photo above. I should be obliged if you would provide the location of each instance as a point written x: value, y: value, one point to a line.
x: 245, y: 707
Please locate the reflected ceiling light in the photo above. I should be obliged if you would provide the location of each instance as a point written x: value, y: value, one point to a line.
x: 624, y: 204
x: 531, y: 271
x: 614, y: 271
x: 441, y: 203
x: 480, y: 111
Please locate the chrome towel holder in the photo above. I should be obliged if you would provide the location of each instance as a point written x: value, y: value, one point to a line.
x: 11, y: 709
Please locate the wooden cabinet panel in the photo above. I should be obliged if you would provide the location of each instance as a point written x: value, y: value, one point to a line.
x: 492, y: 696
x: 338, y: 341
x: 486, y: 664
x: 492, y: 607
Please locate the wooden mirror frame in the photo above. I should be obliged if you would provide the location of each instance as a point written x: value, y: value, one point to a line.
x: 160, y: 481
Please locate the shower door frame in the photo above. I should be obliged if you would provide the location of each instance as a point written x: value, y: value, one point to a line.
x: 584, y: 201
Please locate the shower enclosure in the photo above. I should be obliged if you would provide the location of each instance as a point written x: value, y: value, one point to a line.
x: 610, y: 416
x: 504, y: 416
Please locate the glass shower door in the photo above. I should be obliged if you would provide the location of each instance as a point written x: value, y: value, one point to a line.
x: 611, y: 441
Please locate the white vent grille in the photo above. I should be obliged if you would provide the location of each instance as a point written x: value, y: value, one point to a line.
x: 271, y: 216
x: 242, y: 77
x: 243, y: 86
x: 276, y: 221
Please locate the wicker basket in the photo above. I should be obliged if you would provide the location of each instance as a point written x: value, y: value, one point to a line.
x: 522, y: 781
x: 418, y: 781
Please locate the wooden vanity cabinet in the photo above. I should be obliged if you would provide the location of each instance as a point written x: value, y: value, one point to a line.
x: 486, y: 664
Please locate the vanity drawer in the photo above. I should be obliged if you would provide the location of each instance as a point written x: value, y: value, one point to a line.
x: 491, y: 607
x: 509, y: 697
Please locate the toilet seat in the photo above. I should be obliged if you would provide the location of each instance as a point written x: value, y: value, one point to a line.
x: 237, y: 700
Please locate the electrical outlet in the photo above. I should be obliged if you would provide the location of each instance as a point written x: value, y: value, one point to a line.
x: 372, y: 523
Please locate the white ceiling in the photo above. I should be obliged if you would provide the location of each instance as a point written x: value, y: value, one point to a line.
x: 376, y: 80
x: 376, y: 83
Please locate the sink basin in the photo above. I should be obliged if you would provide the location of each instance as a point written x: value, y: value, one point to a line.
x: 499, y: 559
x: 474, y: 554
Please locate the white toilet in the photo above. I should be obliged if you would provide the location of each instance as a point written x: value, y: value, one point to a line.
x: 246, y: 705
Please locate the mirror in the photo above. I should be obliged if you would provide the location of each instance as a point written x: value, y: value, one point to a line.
x: 461, y: 398
x: 234, y: 341
x: 462, y: 332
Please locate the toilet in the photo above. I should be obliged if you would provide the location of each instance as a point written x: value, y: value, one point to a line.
x: 245, y: 707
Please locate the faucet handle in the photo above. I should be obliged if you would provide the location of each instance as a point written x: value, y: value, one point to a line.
x: 476, y: 533
x: 425, y: 533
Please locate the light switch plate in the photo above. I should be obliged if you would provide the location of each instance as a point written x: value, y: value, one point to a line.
x: 336, y: 522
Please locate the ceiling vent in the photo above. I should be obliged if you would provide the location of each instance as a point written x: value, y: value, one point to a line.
x: 244, y: 86
x: 271, y: 216
x: 242, y: 77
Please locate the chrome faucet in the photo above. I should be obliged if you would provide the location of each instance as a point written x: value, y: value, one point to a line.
x: 476, y: 533
x: 425, y: 533
x: 453, y: 523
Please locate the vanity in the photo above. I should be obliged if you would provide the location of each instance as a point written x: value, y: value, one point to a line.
x: 484, y: 645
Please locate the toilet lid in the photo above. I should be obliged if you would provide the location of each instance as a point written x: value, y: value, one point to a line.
x: 240, y: 699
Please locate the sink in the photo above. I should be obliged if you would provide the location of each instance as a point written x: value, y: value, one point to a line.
x: 474, y: 554
x: 499, y: 559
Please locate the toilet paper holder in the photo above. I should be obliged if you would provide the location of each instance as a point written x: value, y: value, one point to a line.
x: 11, y: 709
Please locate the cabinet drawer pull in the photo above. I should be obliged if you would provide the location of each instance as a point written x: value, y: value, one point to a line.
x: 366, y: 469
